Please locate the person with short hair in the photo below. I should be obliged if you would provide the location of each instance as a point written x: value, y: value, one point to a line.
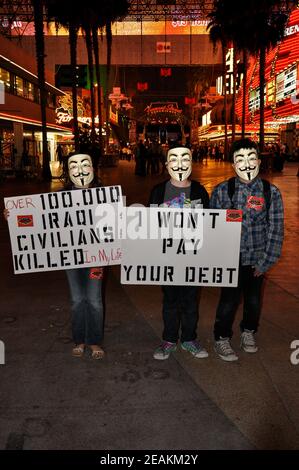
x: 261, y: 243
x: 180, y: 303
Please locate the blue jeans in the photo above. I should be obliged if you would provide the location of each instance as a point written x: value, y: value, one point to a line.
x: 87, y: 307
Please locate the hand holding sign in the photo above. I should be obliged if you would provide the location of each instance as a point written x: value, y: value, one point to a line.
x: 64, y: 230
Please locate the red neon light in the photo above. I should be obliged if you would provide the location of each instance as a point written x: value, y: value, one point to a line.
x: 30, y: 121
x: 142, y: 86
x: 165, y: 71
x: 278, y: 59
x: 189, y: 100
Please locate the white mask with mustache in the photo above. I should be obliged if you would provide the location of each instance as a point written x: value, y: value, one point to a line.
x: 80, y: 170
x: 179, y: 163
x: 246, y: 164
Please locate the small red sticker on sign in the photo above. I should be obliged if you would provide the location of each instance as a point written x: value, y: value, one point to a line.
x: 256, y: 203
x: 233, y: 215
x: 25, y: 220
x: 96, y: 273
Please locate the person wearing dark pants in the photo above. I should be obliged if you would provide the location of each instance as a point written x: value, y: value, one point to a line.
x: 180, y: 303
x: 250, y: 286
x: 261, y: 243
x: 180, y: 307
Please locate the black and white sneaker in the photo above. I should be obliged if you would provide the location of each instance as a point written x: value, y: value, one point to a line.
x: 248, y: 343
x: 224, y: 350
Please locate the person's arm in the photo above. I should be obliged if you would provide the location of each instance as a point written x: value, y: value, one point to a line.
x: 5, y: 214
x: 275, y: 233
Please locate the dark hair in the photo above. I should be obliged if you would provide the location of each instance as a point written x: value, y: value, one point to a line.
x: 177, y: 144
x: 242, y: 144
x: 72, y: 154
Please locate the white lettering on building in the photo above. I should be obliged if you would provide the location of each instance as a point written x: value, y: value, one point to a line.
x: 291, y: 30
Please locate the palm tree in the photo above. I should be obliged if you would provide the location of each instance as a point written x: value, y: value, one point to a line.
x: 71, y: 16
x: 105, y: 13
x: 86, y: 27
x: 93, y: 16
x: 38, y: 11
x: 68, y: 15
x: 109, y: 50
x: 73, y: 39
x: 270, y: 18
x: 244, y: 95
x: 95, y: 41
x: 197, y: 86
x: 97, y: 15
x: 233, y: 113
x: 256, y: 28
x: 219, y: 35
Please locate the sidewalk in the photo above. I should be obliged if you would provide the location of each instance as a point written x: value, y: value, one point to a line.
x: 50, y: 400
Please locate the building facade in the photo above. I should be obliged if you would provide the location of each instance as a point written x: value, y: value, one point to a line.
x: 20, y: 115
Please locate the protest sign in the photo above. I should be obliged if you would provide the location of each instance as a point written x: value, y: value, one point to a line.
x: 169, y: 246
x: 65, y: 229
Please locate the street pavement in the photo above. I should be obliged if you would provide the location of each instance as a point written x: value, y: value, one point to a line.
x: 50, y: 400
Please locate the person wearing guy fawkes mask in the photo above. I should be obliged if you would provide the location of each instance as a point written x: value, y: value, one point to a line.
x: 85, y: 283
x: 80, y: 170
x: 261, y: 242
x: 180, y: 303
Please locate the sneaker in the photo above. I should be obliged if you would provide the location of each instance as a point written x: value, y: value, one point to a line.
x: 194, y: 347
x: 248, y: 343
x: 224, y: 350
x: 164, y: 350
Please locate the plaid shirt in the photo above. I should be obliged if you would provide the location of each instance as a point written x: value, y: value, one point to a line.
x: 262, y: 235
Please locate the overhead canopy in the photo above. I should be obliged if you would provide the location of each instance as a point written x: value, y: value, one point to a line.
x: 34, y: 124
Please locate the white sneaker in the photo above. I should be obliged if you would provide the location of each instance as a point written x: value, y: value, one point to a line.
x: 248, y: 343
x: 164, y: 350
x: 224, y: 350
x: 195, y: 348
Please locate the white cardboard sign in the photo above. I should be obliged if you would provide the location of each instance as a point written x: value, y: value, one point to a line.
x: 65, y: 229
x: 181, y: 247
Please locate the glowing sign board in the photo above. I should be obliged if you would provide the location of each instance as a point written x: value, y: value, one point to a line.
x: 286, y: 83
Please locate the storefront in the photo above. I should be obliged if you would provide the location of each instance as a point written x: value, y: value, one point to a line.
x: 20, y: 114
x: 281, y: 88
x: 281, y: 97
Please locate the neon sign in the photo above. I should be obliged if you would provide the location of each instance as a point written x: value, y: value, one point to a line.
x: 14, y: 24
x: 176, y: 24
x: 62, y: 116
x: 291, y: 30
